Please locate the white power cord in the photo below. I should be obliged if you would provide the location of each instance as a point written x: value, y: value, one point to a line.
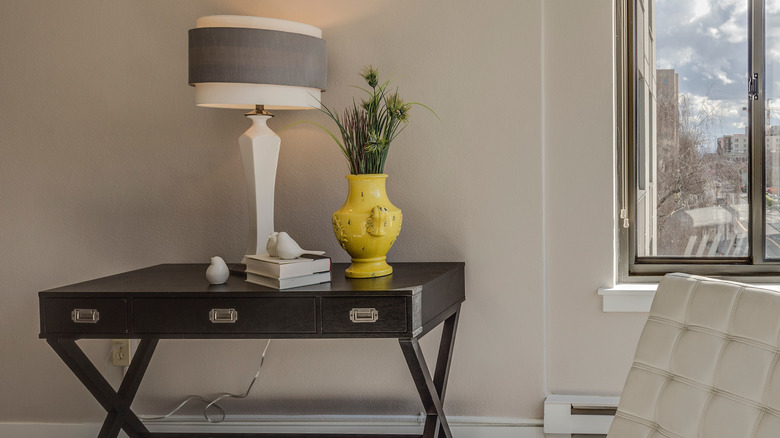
x: 213, y: 403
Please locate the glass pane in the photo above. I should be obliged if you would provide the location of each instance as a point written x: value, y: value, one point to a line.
x: 697, y: 207
x: 772, y: 144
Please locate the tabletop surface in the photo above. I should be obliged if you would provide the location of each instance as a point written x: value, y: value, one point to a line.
x: 407, y: 278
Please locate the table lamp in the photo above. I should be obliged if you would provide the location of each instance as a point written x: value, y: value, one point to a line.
x: 259, y: 64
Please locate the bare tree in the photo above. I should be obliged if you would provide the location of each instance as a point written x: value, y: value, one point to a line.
x: 692, y: 172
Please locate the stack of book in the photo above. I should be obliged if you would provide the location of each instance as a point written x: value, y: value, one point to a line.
x: 277, y: 273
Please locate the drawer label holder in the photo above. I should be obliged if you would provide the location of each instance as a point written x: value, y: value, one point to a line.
x: 85, y: 316
x: 223, y: 316
x: 361, y: 315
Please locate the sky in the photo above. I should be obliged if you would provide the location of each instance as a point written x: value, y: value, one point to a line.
x: 706, y: 42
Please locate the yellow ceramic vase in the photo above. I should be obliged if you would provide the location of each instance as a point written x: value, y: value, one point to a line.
x: 367, y: 225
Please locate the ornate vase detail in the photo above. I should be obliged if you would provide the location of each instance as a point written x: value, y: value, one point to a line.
x: 367, y: 225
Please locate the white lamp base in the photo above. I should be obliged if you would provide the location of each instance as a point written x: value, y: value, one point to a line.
x: 260, y: 152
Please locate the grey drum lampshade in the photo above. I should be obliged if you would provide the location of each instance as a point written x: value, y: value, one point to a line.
x: 241, y: 62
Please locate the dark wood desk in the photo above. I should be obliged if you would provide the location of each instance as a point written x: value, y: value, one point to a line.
x: 176, y: 302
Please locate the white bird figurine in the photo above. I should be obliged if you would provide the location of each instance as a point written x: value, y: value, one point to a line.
x: 287, y: 249
x: 270, y: 247
x: 217, y: 272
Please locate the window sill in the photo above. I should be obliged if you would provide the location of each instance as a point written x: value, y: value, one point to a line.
x: 627, y: 297
x: 637, y: 298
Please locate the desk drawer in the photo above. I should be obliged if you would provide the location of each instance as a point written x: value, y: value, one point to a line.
x: 84, y: 316
x: 224, y: 315
x: 364, y: 315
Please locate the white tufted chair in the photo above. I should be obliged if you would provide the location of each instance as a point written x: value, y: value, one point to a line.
x: 707, y: 364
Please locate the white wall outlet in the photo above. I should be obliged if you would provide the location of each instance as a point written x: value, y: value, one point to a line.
x: 120, y: 352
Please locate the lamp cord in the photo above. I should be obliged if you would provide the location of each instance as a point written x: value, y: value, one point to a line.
x: 213, y: 403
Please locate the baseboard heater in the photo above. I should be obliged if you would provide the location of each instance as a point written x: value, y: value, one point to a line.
x: 579, y: 414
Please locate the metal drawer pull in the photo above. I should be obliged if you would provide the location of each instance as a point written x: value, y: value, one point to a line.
x: 223, y: 316
x: 85, y: 316
x: 363, y: 315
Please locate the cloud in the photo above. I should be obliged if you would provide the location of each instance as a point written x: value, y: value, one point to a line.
x: 700, y: 8
x: 723, y: 77
x: 772, y: 7
x: 705, y: 41
x: 675, y: 59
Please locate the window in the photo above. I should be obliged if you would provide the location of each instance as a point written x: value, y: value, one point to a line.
x: 699, y: 134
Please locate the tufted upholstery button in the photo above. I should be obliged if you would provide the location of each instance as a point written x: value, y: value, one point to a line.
x: 707, y: 364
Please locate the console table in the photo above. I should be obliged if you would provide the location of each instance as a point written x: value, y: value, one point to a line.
x: 174, y: 301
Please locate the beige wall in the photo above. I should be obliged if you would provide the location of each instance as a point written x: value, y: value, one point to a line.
x: 106, y: 165
x: 588, y: 351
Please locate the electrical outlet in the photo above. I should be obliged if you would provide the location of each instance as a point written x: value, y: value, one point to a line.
x: 120, y: 352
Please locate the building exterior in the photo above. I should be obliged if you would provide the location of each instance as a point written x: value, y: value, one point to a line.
x: 735, y: 147
x: 645, y: 135
x: 667, y: 96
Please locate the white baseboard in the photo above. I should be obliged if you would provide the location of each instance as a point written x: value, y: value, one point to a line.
x: 462, y: 427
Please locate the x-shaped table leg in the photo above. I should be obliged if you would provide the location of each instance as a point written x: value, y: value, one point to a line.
x: 432, y: 390
x: 117, y: 404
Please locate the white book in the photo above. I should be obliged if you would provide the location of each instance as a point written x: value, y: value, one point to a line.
x: 275, y: 267
x: 287, y: 283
